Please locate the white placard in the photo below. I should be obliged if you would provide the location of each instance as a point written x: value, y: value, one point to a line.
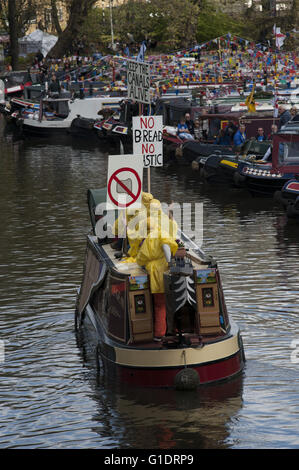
x: 138, y: 81
x: 148, y: 139
x: 124, y: 181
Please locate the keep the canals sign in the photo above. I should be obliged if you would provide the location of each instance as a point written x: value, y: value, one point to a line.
x: 148, y: 139
x: 138, y: 81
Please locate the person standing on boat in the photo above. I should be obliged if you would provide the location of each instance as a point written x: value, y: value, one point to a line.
x: 294, y: 114
x: 239, y: 138
x: 154, y: 254
x: 54, y: 86
x: 268, y: 155
x: 39, y: 58
x: 284, y: 116
x: 197, y: 130
x: 190, y: 123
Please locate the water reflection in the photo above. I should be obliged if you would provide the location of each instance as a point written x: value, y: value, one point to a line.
x: 160, y: 419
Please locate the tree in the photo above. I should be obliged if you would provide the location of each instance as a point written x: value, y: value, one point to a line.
x: 24, y: 12
x: 213, y: 23
x: 169, y: 21
x: 55, y: 19
x: 13, y: 33
x: 15, y: 18
x: 96, y: 27
x: 67, y: 40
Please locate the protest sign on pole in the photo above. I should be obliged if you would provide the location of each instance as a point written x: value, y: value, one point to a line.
x: 148, y: 139
x: 138, y: 81
x: 124, y: 181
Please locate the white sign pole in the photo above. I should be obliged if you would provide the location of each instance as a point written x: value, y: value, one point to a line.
x: 138, y: 86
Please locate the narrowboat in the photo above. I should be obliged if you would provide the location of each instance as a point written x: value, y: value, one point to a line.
x: 222, y: 167
x: 55, y: 115
x: 288, y: 198
x: 201, y: 345
x: 16, y: 81
x: 265, y: 178
x: 217, y: 139
x: 116, y: 129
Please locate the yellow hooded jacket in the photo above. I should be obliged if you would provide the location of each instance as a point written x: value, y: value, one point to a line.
x: 151, y: 256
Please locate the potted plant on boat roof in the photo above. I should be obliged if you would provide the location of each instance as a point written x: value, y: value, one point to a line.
x: 181, y: 251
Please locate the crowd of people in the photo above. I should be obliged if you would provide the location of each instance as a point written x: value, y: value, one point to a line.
x: 232, y: 134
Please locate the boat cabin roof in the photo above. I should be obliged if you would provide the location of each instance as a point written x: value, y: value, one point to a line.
x: 55, y: 100
x: 290, y: 128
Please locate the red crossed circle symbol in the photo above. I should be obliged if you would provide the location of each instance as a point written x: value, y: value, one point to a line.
x: 114, y: 177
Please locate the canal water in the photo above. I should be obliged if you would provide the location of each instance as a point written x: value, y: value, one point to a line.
x: 51, y: 393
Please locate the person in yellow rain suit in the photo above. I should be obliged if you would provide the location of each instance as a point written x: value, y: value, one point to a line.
x: 122, y: 226
x: 158, y: 219
x: 154, y: 254
x: 135, y: 233
x: 162, y: 220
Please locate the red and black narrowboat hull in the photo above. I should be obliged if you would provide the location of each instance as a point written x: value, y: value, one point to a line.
x: 260, y: 180
x: 288, y: 197
x: 157, y: 366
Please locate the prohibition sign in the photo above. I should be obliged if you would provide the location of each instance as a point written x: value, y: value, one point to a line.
x: 114, y: 177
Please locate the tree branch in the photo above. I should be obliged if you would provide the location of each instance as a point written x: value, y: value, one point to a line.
x: 55, y: 18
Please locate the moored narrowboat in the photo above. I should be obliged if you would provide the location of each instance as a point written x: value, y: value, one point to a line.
x: 265, y: 178
x: 55, y: 115
x: 288, y: 197
x: 201, y: 343
x: 223, y: 167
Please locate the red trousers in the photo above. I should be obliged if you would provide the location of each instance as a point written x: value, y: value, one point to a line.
x: 159, y: 315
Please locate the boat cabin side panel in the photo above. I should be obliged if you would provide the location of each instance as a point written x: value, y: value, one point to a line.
x: 285, y: 155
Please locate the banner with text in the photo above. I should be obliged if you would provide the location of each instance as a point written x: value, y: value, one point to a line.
x: 138, y: 81
x: 148, y: 139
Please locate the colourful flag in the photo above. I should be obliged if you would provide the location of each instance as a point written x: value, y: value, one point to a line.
x: 279, y: 37
x: 250, y: 102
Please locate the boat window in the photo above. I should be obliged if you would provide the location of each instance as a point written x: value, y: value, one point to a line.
x: 289, y: 152
x: 63, y: 109
x: 56, y: 109
x: 258, y: 147
x: 16, y: 78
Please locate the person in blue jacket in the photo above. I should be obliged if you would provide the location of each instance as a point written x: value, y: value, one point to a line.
x: 260, y: 135
x: 239, y: 138
x: 183, y: 131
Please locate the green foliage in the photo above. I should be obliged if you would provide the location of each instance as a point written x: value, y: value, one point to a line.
x: 180, y: 23
x: 213, y: 23
x: 96, y: 27
x: 169, y: 21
